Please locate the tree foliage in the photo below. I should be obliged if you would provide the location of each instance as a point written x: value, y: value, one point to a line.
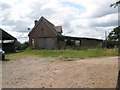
x: 109, y: 44
x: 21, y: 46
x: 113, y: 38
x: 115, y: 34
x: 115, y: 4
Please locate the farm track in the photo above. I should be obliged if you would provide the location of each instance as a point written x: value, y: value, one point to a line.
x: 35, y: 72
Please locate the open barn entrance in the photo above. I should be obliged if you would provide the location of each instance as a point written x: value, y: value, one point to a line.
x: 7, y: 41
x: 68, y: 42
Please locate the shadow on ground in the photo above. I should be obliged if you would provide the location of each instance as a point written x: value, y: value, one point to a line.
x: 18, y: 51
x: 5, y: 60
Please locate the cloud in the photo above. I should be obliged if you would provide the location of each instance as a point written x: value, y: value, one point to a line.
x: 4, y: 6
x: 78, y: 17
x: 104, y: 21
x: 95, y: 8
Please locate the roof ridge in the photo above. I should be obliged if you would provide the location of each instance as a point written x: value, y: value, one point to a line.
x: 51, y: 26
x: 47, y: 21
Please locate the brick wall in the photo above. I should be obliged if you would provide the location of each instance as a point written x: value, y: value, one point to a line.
x: 41, y: 31
x: 45, y: 33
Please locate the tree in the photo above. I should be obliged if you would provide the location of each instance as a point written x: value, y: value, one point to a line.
x: 115, y: 34
x: 108, y: 44
x: 21, y: 46
x: 115, y: 4
x: 114, y: 37
x: 25, y: 45
x: 18, y: 45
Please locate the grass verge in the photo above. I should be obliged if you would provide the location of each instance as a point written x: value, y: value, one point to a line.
x: 88, y: 53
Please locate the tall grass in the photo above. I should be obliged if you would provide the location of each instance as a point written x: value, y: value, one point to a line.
x: 87, y: 53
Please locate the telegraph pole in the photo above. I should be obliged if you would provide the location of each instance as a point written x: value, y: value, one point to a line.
x: 105, y: 35
x: 105, y: 38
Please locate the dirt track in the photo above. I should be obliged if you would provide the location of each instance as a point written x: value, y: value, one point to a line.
x: 34, y: 72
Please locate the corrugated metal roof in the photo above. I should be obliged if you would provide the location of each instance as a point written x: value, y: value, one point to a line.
x: 78, y: 38
x: 6, y: 36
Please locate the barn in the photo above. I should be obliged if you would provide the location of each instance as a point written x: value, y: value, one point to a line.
x: 7, y: 41
x: 79, y: 42
x: 46, y: 35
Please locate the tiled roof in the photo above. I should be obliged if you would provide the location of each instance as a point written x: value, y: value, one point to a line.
x: 56, y: 29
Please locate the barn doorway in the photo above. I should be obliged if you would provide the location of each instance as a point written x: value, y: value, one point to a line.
x: 47, y: 43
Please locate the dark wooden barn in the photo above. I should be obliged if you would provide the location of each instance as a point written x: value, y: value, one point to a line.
x: 46, y: 35
x: 78, y: 42
x: 7, y: 41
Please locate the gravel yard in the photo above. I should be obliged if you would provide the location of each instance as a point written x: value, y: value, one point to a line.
x: 36, y: 72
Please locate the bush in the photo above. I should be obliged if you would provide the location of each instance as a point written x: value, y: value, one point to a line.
x: 21, y: 46
x: 25, y: 45
x: 109, y: 44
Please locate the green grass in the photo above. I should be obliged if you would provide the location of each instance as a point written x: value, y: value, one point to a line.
x: 88, y: 53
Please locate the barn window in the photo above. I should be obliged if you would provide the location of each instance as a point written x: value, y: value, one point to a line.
x: 33, y: 42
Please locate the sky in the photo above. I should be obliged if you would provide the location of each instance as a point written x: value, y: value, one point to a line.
x: 78, y: 18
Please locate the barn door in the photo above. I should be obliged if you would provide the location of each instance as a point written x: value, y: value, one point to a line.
x: 42, y: 43
x: 49, y: 43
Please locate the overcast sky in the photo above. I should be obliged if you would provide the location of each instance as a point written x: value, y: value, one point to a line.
x: 81, y: 18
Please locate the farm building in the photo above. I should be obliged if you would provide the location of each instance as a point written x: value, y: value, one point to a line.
x: 7, y: 41
x: 46, y: 35
x: 79, y: 42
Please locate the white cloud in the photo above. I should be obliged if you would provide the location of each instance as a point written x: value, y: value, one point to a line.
x: 78, y: 17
